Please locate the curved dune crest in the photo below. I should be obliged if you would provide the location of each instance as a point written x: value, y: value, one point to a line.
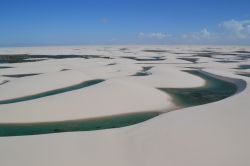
x: 51, y: 92
x: 212, y: 134
x: 27, y: 86
x: 89, y: 102
x: 214, y: 90
x: 162, y: 76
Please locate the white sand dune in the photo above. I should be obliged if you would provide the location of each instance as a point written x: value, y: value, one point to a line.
x: 215, y: 134
x: 161, y: 77
x: 40, y: 83
x: 112, y: 97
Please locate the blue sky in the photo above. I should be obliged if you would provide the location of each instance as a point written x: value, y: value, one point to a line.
x: 76, y: 22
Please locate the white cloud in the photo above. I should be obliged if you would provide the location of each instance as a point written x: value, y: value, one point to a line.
x: 238, y: 29
x: 202, y: 34
x: 229, y: 32
x: 155, y: 35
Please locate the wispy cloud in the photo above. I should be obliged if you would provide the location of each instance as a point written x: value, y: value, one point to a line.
x: 226, y: 32
x: 155, y: 35
x: 202, y: 34
x: 205, y: 33
x: 237, y: 29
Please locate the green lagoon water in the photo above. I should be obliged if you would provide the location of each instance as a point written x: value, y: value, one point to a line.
x: 244, y: 74
x: 144, y: 71
x: 214, y: 90
x: 52, y: 92
x: 243, y: 67
x: 21, y: 75
x: 75, y: 125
